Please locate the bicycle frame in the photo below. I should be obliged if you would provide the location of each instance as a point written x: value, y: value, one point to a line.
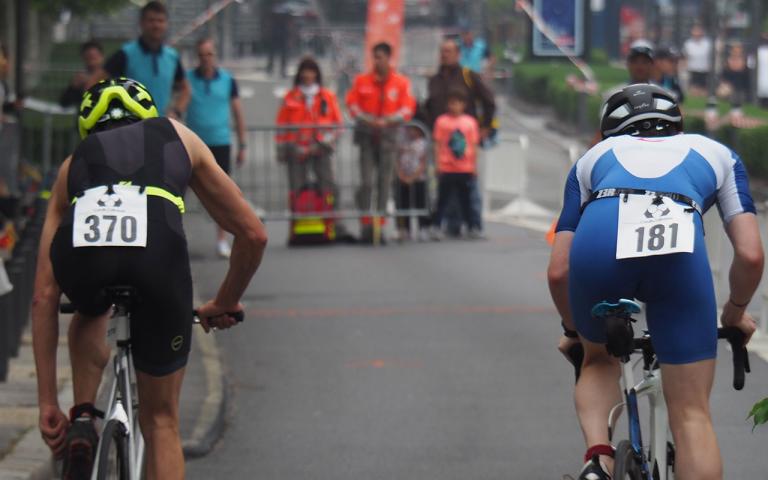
x: 120, y: 405
x: 650, y: 387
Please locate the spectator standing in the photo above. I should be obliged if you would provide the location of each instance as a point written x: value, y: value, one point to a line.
x: 697, y: 52
x: 475, y: 53
x: 302, y: 149
x: 640, y: 69
x: 9, y: 134
x: 279, y: 33
x: 640, y: 62
x: 379, y: 101
x: 411, y: 180
x: 214, y: 102
x: 665, y: 64
x: 457, y: 137
x: 92, y: 56
x: 154, y: 64
x: 734, y: 82
x: 452, y: 76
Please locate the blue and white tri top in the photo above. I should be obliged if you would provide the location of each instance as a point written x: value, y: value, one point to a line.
x: 681, y: 310
x: 692, y: 165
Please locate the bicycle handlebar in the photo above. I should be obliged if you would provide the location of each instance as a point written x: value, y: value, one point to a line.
x: 238, y: 316
x: 68, y: 308
x: 733, y: 335
x: 740, y: 355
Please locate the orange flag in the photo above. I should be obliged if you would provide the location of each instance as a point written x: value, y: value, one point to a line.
x: 385, y: 24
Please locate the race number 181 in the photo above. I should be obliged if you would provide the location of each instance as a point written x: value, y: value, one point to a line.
x: 657, y: 237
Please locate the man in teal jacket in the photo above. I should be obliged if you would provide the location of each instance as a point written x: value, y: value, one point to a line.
x: 154, y: 64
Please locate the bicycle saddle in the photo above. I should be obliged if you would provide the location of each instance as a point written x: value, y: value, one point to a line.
x: 624, y: 308
x: 120, y: 294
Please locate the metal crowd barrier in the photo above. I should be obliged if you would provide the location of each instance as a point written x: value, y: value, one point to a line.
x: 264, y: 179
x: 16, y: 304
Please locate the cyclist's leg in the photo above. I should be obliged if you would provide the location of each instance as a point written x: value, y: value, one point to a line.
x: 682, y: 318
x: 686, y: 389
x: 81, y: 274
x: 88, y: 355
x: 596, y: 393
x: 159, y: 420
x: 594, y: 276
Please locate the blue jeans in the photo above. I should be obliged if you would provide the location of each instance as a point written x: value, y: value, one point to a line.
x: 453, y: 215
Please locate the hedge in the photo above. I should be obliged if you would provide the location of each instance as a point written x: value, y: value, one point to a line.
x: 545, y: 84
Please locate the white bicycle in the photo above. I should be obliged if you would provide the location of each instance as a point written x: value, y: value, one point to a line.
x: 635, y: 460
x: 120, y: 454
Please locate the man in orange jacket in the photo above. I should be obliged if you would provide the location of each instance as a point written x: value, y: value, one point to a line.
x: 379, y: 101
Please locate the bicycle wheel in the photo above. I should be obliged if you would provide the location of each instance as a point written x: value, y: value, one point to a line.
x: 626, y: 466
x: 113, y: 457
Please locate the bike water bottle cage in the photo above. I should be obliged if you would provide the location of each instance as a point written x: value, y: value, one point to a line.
x: 617, y: 192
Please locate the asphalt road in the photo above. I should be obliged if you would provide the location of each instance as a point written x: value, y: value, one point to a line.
x: 415, y: 361
x: 418, y: 361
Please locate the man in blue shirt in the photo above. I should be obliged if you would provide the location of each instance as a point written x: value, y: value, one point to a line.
x: 475, y: 54
x: 152, y: 63
x: 214, y: 102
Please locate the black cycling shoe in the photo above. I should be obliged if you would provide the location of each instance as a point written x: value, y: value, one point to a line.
x: 594, y: 470
x: 80, y: 454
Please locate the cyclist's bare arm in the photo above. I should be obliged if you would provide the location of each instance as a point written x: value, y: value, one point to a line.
x: 746, y: 270
x: 222, y: 198
x: 45, y: 318
x: 557, y: 276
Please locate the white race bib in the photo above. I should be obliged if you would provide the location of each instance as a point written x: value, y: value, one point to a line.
x: 650, y: 225
x: 116, y: 219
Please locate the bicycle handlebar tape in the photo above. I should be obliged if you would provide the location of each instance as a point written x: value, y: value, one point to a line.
x: 238, y: 316
x: 740, y: 355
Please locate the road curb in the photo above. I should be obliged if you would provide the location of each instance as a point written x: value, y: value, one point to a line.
x: 211, y: 420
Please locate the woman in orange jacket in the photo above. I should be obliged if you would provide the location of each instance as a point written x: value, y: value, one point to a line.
x: 301, y: 141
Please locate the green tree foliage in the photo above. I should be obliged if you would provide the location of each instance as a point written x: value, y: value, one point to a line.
x: 78, y: 7
x: 759, y: 412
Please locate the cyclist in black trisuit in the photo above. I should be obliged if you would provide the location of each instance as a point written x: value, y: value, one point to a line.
x: 115, y: 218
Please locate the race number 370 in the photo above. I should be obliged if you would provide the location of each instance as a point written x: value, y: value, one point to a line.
x: 110, y: 218
x: 104, y: 226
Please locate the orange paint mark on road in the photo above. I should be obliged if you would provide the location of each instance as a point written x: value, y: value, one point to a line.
x: 384, y: 363
x: 448, y: 310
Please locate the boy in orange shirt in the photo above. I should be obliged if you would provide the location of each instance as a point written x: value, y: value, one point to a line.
x: 457, y: 136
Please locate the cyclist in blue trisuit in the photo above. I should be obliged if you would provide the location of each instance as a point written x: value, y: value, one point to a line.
x: 631, y: 227
x: 115, y: 218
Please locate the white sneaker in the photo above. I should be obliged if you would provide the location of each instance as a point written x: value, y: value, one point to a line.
x: 223, y: 249
x: 436, y: 234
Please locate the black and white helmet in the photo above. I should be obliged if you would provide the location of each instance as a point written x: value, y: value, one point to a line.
x: 639, y: 108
